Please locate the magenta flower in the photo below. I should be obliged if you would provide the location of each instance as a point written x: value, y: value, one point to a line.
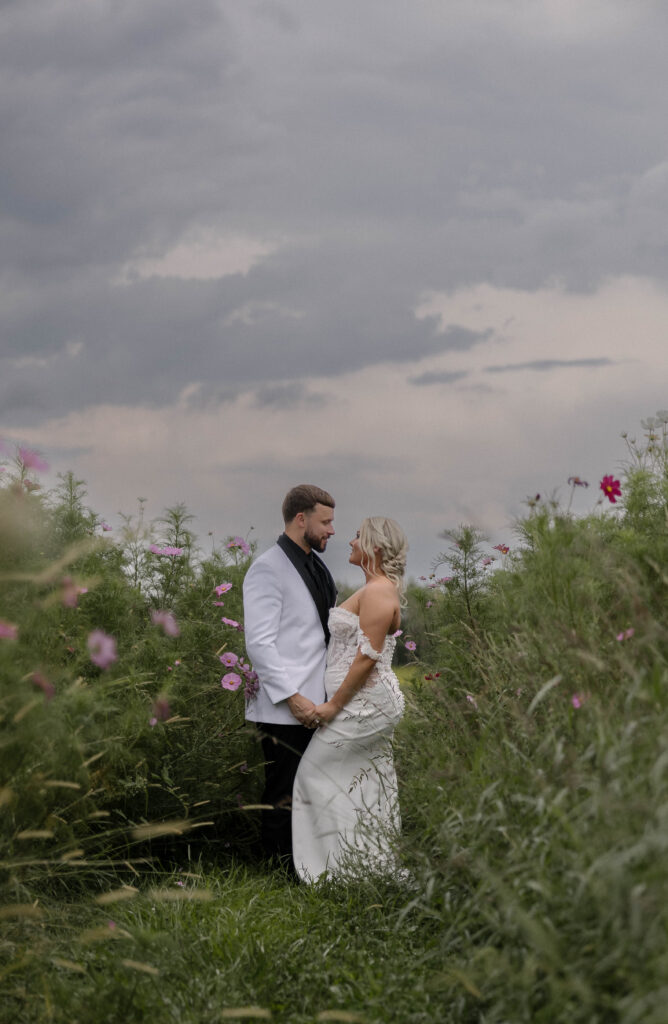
x: 626, y: 634
x: 578, y: 699
x: 231, y: 681
x: 410, y: 645
x: 102, y: 649
x: 487, y: 561
x: 106, y: 527
x: 70, y: 592
x: 503, y: 548
x: 611, y: 488
x: 222, y: 588
x: 165, y: 619
x: 31, y: 460
x: 232, y: 622
x: 239, y: 542
x: 229, y: 659
x: 252, y: 686
x: 444, y: 579
x: 172, y: 552
x: 219, y: 604
x: 8, y: 631
x: 398, y: 633
x: 45, y: 685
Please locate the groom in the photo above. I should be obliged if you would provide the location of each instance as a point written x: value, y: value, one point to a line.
x: 288, y: 592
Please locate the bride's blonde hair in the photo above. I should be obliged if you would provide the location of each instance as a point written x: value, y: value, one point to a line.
x: 379, y: 532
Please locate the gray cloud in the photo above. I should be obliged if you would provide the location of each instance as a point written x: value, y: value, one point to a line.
x: 287, y: 396
x: 439, y: 378
x: 544, y: 365
x: 430, y: 152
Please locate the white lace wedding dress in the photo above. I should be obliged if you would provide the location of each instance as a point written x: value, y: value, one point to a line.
x: 345, y: 807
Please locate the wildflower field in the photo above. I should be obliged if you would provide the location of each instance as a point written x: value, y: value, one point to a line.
x: 533, y: 767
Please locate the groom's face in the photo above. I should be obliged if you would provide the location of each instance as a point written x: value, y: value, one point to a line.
x: 319, y: 527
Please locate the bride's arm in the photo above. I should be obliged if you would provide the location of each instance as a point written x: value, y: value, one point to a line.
x: 377, y: 610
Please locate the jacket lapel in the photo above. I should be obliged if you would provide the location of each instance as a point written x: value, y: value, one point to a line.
x: 310, y: 582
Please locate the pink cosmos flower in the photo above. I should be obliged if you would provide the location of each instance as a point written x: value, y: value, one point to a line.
x: 626, y: 634
x: 471, y: 699
x: 8, y: 631
x: 398, y: 633
x: 487, y: 561
x: 578, y: 699
x: 153, y: 722
x: 102, y: 649
x: 410, y: 645
x: 232, y: 622
x: 252, y: 686
x: 106, y: 527
x: 222, y: 588
x: 45, y: 685
x: 444, y: 579
x: 219, y: 604
x: 611, y: 488
x: 422, y: 577
x: 31, y: 460
x: 503, y: 548
x: 231, y: 681
x: 70, y: 592
x: 229, y: 659
x: 172, y: 552
x: 239, y: 542
x: 165, y: 619
x: 576, y: 481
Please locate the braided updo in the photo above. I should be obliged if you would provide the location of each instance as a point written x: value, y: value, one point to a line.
x: 379, y: 532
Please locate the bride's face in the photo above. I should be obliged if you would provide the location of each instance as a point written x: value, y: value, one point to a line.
x: 355, y: 550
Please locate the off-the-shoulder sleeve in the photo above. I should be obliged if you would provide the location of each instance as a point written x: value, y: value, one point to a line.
x: 366, y: 648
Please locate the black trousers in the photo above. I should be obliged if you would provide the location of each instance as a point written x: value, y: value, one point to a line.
x: 282, y: 747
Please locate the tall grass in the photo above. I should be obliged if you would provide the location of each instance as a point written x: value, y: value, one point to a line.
x: 533, y: 765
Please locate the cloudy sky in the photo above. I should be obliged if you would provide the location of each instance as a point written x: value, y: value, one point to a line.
x: 415, y: 252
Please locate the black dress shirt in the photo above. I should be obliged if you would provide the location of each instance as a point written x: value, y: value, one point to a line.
x: 316, y: 576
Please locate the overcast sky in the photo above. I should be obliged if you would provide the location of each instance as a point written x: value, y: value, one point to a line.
x: 415, y: 252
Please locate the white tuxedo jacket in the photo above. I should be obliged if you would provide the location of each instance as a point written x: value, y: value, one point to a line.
x: 284, y: 638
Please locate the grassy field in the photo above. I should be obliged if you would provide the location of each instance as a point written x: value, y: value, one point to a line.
x: 532, y: 761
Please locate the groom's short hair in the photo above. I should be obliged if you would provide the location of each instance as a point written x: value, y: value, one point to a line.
x: 304, y: 498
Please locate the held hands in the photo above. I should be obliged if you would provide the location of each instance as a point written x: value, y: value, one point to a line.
x: 326, y: 712
x: 303, y: 709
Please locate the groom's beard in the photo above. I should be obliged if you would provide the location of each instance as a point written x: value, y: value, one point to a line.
x: 315, y: 543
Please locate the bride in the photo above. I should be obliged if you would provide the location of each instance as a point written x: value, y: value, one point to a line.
x: 345, y: 807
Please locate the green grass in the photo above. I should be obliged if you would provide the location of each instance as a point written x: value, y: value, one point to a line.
x: 533, y: 770
x: 254, y: 939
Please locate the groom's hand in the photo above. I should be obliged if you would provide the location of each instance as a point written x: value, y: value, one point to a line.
x: 302, y: 708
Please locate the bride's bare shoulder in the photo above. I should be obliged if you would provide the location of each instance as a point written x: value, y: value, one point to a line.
x: 378, y: 591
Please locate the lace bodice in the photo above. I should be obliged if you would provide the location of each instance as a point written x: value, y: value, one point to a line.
x: 346, y: 639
